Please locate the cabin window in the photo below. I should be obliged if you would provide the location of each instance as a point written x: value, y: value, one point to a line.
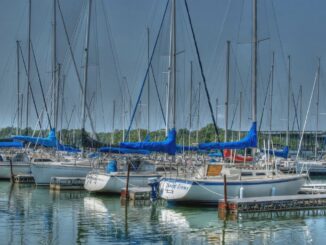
x: 246, y: 174
x: 42, y: 160
x: 260, y: 174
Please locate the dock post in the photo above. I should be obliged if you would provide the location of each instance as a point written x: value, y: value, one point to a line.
x: 225, y: 194
x: 127, y: 182
x: 11, y: 172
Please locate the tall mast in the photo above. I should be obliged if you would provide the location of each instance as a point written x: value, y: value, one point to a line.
x: 86, y: 67
x: 271, y: 99
x: 254, y: 63
x: 317, y: 108
x: 216, y: 115
x: 289, y: 101
x: 18, y: 89
x: 190, y: 104
x: 28, y: 62
x: 171, y: 103
x: 113, y: 119
x: 55, y: 91
x: 227, y: 91
x: 57, y: 97
x: 240, y: 114
x: 197, y: 133
x: 148, y: 84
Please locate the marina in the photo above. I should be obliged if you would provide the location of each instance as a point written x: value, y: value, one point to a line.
x: 162, y: 122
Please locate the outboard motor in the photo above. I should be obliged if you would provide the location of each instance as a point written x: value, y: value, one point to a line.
x: 154, y: 184
x: 112, y: 166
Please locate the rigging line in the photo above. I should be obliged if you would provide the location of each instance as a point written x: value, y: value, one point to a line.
x: 147, y: 71
x: 30, y: 88
x: 41, y: 86
x: 76, y: 69
x: 306, y: 118
x: 295, y: 119
x: 201, y: 70
x: 234, y: 114
x: 158, y: 95
x: 265, y: 100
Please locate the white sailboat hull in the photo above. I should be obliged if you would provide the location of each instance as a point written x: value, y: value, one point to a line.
x: 312, y: 167
x: 43, y: 173
x: 18, y: 168
x: 114, y: 182
x: 210, y: 191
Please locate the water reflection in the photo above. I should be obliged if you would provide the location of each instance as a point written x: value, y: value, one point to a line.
x: 30, y: 215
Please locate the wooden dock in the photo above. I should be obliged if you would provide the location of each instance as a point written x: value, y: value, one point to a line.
x: 136, y: 193
x: 24, y: 179
x: 274, y: 203
x: 67, y: 183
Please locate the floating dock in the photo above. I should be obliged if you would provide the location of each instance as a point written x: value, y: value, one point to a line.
x: 24, y: 179
x: 274, y: 203
x: 136, y: 193
x: 67, y: 183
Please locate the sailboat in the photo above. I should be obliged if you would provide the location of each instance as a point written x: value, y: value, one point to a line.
x: 207, y: 186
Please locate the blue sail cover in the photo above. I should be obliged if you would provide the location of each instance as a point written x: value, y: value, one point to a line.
x: 123, y: 150
x: 182, y: 148
x: 166, y: 146
x: 50, y: 141
x: 249, y: 141
x: 280, y: 153
x: 13, y: 144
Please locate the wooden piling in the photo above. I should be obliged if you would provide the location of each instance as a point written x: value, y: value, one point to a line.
x: 127, y: 182
x: 11, y: 171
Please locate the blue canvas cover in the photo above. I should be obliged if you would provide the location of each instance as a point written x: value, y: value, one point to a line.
x: 50, y: 141
x: 250, y: 141
x: 280, y: 153
x: 13, y: 144
x: 215, y: 154
x: 123, y: 150
x: 166, y: 146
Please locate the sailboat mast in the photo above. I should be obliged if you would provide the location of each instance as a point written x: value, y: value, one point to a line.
x: 240, y: 114
x: 148, y: 83
x: 317, y: 109
x: 18, y: 89
x: 254, y: 63
x: 216, y: 115
x: 171, y: 103
x: 113, y: 120
x: 289, y: 101
x: 86, y: 66
x: 55, y: 91
x: 197, y: 133
x: 28, y: 62
x: 190, y: 103
x: 271, y: 100
x: 227, y: 91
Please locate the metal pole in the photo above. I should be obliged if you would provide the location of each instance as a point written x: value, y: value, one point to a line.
x: 148, y: 83
x: 289, y: 101
x: 55, y: 91
x: 240, y: 115
x: 197, y: 133
x: 84, y: 102
x: 254, y: 67
x: 18, y: 90
x: 190, y: 103
x: 271, y: 100
x: 113, y: 118
x: 216, y: 115
x: 28, y: 63
x: 227, y: 91
x: 317, y: 110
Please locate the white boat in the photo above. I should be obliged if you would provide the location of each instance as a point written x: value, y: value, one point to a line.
x: 314, y: 188
x: 240, y: 183
x: 43, y: 169
x: 113, y: 182
x: 312, y: 167
x: 20, y: 165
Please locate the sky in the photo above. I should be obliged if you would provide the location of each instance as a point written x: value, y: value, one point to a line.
x: 118, y: 60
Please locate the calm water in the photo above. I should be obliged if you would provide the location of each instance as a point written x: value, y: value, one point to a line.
x: 30, y: 215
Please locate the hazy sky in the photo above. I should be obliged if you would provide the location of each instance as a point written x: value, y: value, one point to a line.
x: 118, y: 56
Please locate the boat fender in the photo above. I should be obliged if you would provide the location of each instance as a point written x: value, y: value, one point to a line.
x: 273, y: 191
x: 112, y: 166
x: 154, y: 184
x: 241, y: 192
